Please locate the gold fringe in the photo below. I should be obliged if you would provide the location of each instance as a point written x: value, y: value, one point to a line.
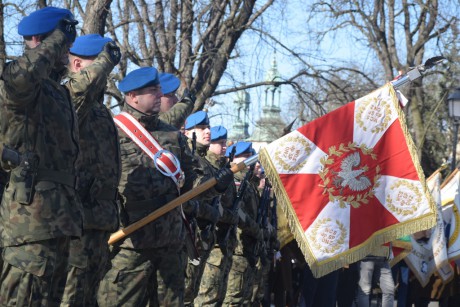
x: 412, y: 150
x: 406, y: 245
x: 400, y: 257
x: 377, y: 239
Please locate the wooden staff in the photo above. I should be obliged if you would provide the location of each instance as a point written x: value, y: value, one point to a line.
x: 124, y: 232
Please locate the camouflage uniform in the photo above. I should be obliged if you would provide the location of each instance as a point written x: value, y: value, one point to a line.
x: 99, y: 173
x: 4, y: 178
x: 241, y: 276
x: 178, y: 113
x: 204, y: 214
x: 264, y: 264
x: 36, y: 233
x: 215, y: 276
x: 150, y: 259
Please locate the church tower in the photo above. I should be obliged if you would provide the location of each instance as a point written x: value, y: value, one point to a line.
x: 270, y: 126
x: 239, y: 130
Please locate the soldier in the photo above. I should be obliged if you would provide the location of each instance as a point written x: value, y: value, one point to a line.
x: 156, y: 167
x: 174, y: 111
x: 261, y: 291
x: 92, y: 58
x: 215, y: 276
x: 40, y: 210
x: 249, y: 234
x: 203, y: 214
x: 4, y: 178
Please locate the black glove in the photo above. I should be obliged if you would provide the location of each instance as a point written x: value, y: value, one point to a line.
x: 188, y: 97
x: 67, y: 26
x: 224, y: 178
x: 114, y: 52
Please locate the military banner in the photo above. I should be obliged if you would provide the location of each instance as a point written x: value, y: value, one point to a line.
x: 400, y: 248
x: 350, y: 181
x: 429, y: 252
x: 451, y: 212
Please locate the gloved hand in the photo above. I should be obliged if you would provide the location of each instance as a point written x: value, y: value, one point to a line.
x: 224, y: 178
x: 188, y: 97
x: 67, y: 26
x: 209, y: 213
x: 114, y: 52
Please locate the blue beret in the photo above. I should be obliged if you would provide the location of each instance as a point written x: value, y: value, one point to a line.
x: 195, y: 119
x: 218, y: 133
x: 89, y: 45
x: 139, y: 78
x: 169, y: 83
x: 43, y: 21
x: 241, y: 148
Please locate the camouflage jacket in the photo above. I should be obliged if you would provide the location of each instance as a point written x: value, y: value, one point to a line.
x: 226, y: 200
x: 178, y: 113
x: 99, y: 164
x: 30, y: 100
x: 248, y: 228
x: 144, y: 189
x: 202, y: 210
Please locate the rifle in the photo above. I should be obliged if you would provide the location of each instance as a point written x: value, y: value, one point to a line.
x: 231, y: 156
x: 239, y: 197
x: 274, y: 220
x: 193, y: 143
x: 262, y: 221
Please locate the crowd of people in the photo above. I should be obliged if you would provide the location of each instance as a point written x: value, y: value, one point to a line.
x: 72, y: 173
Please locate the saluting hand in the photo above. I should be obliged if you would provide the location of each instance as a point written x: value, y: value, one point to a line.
x: 114, y: 51
x: 67, y: 26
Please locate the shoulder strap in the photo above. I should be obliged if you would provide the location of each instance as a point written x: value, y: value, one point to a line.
x: 165, y: 161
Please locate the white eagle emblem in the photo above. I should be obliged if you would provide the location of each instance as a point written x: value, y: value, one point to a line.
x: 347, y: 176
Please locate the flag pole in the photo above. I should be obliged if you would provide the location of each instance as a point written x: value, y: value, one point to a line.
x: 124, y: 232
x: 416, y: 72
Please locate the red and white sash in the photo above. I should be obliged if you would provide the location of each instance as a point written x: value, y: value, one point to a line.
x: 165, y: 161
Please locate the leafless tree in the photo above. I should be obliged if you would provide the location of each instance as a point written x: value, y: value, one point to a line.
x: 399, y: 33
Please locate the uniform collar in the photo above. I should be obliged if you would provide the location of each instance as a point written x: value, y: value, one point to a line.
x: 148, y: 121
x: 201, y: 149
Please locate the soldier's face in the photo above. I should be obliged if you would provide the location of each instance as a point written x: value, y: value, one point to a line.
x: 218, y: 147
x: 203, y: 134
x: 148, y: 99
x: 168, y: 101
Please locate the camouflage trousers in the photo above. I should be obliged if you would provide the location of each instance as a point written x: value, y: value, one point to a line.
x: 261, y: 280
x: 240, y: 282
x: 34, y: 274
x: 194, y: 273
x: 153, y: 277
x: 87, y: 263
x: 214, y: 281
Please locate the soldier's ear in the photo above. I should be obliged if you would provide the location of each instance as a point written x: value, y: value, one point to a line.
x: 75, y: 63
x: 78, y: 63
x: 132, y: 96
